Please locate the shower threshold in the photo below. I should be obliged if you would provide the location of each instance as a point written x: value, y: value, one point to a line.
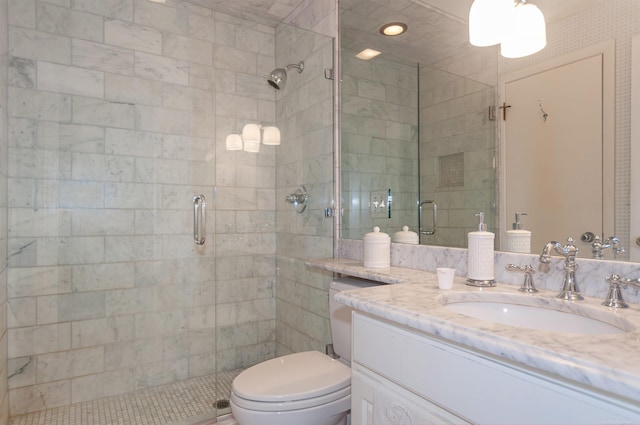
x: 189, y: 402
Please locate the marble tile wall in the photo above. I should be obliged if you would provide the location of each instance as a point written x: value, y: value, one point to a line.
x: 305, y: 157
x: 379, y: 142
x: 4, y: 390
x: 118, y: 113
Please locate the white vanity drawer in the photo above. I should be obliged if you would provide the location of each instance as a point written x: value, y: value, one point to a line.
x: 475, y: 386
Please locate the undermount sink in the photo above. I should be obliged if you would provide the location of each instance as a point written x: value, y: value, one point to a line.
x: 536, y: 313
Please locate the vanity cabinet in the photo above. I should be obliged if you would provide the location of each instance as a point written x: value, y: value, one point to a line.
x: 403, y: 377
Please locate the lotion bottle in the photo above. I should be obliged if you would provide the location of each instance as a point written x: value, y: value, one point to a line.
x: 480, y: 255
x: 518, y: 239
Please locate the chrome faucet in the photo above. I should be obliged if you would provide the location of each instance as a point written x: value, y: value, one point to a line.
x: 570, y: 291
x: 614, y: 297
x: 612, y: 242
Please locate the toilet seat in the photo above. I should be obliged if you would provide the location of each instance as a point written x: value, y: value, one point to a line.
x: 291, y: 382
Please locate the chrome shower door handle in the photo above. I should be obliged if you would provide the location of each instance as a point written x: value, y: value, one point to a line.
x: 199, y: 219
x: 435, y: 215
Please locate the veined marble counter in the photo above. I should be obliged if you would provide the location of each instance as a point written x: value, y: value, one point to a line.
x: 356, y: 269
x: 609, y: 362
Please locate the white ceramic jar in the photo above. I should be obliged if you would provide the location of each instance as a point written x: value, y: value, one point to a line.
x: 406, y: 236
x: 377, y: 249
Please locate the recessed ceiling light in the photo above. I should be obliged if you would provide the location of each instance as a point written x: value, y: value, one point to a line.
x: 367, y: 54
x: 393, y: 29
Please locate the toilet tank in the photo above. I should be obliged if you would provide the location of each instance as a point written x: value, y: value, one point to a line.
x: 340, y: 315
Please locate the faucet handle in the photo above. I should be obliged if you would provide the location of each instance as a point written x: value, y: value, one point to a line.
x: 527, y: 284
x: 614, y: 297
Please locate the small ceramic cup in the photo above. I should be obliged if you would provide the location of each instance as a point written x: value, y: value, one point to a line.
x: 445, y: 277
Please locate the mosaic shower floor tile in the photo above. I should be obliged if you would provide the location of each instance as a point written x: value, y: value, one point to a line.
x: 181, y: 403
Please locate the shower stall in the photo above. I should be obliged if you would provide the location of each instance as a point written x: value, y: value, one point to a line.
x: 145, y: 262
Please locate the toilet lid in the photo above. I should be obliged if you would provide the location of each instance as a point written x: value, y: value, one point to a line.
x: 293, y: 377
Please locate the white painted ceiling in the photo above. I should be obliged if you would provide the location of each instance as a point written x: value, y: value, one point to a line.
x: 436, y: 27
x: 271, y: 12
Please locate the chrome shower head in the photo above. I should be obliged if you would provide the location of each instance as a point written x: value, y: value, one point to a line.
x: 278, y: 77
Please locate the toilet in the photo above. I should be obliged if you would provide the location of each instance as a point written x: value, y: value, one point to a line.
x: 307, y: 388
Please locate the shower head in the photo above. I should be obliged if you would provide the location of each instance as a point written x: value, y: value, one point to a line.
x: 278, y: 77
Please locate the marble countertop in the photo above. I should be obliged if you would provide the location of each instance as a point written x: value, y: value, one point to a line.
x: 356, y: 269
x: 610, y: 362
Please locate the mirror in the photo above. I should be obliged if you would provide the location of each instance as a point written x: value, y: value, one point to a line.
x: 430, y: 84
x: 417, y: 144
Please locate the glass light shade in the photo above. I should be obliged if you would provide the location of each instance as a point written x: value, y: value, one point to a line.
x: 234, y: 142
x: 252, y: 146
x: 251, y: 132
x: 251, y: 137
x: 271, y: 136
x: 526, y: 34
x: 488, y: 20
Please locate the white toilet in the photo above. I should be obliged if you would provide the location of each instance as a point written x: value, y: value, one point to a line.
x: 307, y: 388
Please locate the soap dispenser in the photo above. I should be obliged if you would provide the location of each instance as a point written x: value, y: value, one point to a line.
x: 518, y: 239
x: 480, y: 256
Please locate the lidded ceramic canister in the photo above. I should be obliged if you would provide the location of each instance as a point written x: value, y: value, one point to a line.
x: 406, y: 236
x: 377, y: 249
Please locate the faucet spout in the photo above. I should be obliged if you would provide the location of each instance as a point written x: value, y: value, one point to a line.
x: 598, y: 247
x: 569, y: 291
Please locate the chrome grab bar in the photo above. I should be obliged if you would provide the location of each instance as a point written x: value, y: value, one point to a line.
x: 199, y: 219
x: 435, y: 215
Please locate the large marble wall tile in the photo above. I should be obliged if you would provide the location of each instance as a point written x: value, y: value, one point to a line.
x: 70, y: 80
x: 107, y: 384
x: 161, y: 17
x: 119, y: 9
x: 133, y: 143
x: 33, y: 340
x: 132, y: 353
x: 70, y: 250
x: 39, y: 397
x: 70, y: 137
x: 80, y: 194
x: 22, y: 73
x: 161, y: 68
x: 202, y: 27
x: 118, y: 89
x: 103, y: 277
x: 23, y: 13
x: 188, y: 49
x: 25, y: 103
x: 21, y: 312
x: 33, y: 281
x: 102, y: 57
x: 30, y: 44
x: 134, y: 37
x: 94, y: 111
x: 105, y: 331
x: 63, y: 21
x: 58, y: 366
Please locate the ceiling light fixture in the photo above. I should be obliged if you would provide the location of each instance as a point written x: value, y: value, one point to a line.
x: 487, y: 21
x: 518, y: 26
x: 367, y: 54
x: 393, y: 29
x: 526, y: 32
